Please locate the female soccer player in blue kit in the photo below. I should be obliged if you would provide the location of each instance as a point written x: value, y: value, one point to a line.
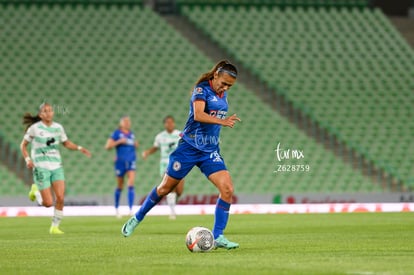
x: 123, y: 139
x: 200, y: 146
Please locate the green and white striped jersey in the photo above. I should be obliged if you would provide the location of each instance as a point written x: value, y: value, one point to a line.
x: 45, y: 142
x: 166, y: 142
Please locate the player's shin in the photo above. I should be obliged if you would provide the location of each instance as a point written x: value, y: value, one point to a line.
x: 117, y: 196
x: 131, y: 197
x: 221, y: 217
x: 171, y: 201
x: 57, y: 217
x: 151, y: 200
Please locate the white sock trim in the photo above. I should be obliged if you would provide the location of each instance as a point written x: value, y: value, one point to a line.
x: 172, y: 201
x: 39, y: 198
x: 57, y: 217
x: 172, y: 198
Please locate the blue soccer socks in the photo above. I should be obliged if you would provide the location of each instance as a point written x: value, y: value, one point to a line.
x: 221, y: 217
x: 131, y: 196
x: 151, y: 200
x: 117, y: 196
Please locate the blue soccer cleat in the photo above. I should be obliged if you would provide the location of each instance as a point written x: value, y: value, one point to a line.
x: 129, y: 227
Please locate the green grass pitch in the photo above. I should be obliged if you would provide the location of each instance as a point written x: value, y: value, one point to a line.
x: 360, y: 243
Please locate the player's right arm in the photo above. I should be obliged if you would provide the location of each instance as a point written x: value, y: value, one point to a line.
x: 154, y: 148
x: 110, y: 143
x: 23, y: 148
x: 28, y: 137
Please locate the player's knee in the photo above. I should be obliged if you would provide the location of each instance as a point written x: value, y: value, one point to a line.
x: 163, y: 190
x: 59, y: 199
x: 166, y: 186
x: 230, y: 190
x: 47, y: 203
x: 227, y: 191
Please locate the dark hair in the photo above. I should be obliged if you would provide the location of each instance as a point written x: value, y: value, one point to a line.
x: 29, y: 119
x: 168, y: 117
x: 223, y: 66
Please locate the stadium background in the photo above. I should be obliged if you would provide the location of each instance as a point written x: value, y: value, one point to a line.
x: 330, y: 78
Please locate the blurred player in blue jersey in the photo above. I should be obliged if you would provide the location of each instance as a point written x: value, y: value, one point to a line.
x: 123, y: 139
x: 199, y: 146
x: 166, y: 141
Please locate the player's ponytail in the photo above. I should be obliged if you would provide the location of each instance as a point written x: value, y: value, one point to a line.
x: 222, y: 66
x: 29, y: 120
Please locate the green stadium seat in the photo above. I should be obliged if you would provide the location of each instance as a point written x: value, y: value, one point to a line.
x: 345, y: 67
x: 110, y: 61
x: 12, y: 185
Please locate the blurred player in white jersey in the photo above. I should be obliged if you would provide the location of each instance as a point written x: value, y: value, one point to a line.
x: 45, y: 135
x: 166, y: 141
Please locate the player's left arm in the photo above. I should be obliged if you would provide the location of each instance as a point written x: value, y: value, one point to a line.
x: 72, y: 146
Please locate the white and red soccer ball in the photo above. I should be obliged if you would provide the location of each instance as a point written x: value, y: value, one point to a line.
x: 199, y: 239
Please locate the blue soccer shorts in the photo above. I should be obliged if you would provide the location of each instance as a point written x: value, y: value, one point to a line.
x: 185, y: 157
x: 122, y: 167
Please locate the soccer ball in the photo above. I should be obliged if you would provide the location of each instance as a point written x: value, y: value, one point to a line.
x: 199, y: 239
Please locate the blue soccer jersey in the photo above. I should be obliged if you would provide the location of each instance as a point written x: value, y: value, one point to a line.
x: 205, y: 136
x: 125, y: 152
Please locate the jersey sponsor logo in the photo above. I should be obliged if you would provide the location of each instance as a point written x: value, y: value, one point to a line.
x: 199, y: 91
x: 41, y: 133
x: 203, y: 140
x: 129, y: 141
x: 50, y: 141
x: 218, y: 114
x: 176, y: 165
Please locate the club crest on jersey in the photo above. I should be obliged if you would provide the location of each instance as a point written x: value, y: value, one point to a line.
x: 199, y: 91
x: 176, y: 165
